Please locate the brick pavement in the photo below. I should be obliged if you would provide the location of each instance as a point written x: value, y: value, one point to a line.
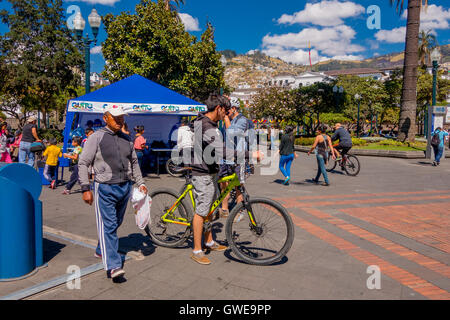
x: 386, y: 217
x: 427, y: 223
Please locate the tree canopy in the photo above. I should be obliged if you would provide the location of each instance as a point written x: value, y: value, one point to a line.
x: 154, y: 44
x: 38, y: 57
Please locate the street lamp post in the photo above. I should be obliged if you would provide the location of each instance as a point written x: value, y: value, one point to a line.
x: 435, y: 57
x: 79, y: 23
x: 337, y: 93
x: 358, y: 98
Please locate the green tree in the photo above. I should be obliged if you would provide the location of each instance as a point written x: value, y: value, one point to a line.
x: 37, y: 57
x: 154, y: 44
x: 373, y: 98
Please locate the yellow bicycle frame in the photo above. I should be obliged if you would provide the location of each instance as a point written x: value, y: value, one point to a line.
x: 233, y: 183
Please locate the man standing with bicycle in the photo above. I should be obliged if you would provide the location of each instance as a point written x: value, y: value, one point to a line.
x: 345, y: 141
x: 209, y: 150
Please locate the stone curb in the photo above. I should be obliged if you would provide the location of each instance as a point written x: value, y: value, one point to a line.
x: 381, y: 153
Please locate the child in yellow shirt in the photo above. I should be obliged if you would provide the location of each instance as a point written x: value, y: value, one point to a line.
x: 52, y: 152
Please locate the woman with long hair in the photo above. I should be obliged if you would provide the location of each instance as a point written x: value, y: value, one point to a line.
x: 287, y: 153
x: 320, y: 147
x: 140, y: 144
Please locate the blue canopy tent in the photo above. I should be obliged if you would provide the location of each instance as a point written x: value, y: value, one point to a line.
x: 157, y: 108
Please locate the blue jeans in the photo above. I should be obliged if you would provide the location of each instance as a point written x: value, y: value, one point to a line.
x: 140, y: 156
x: 438, y: 152
x: 285, y: 165
x: 321, y: 168
x: 110, y: 205
x: 24, y: 153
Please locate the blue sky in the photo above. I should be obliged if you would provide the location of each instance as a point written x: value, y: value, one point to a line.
x: 335, y: 28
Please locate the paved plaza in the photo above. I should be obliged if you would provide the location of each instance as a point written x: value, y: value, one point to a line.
x: 394, y: 216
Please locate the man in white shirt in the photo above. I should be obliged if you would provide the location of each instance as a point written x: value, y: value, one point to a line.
x: 185, y: 141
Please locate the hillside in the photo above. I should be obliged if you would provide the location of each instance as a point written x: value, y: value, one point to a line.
x: 255, y: 69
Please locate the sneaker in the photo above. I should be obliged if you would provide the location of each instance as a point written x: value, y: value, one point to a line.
x: 216, y: 247
x: 118, y: 272
x: 97, y: 255
x: 315, y: 181
x: 53, y: 184
x: 200, y: 258
x: 286, y: 182
x: 223, y: 213
x: 65, y: 192
x: 325, y: 184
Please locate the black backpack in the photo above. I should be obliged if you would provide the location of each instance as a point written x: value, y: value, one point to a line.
x: 435, y: 141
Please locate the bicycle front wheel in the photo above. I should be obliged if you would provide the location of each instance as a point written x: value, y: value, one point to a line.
x: 267, y: 242
x: 331, y: 164
x: 168, y: 233
x: 352, y: 166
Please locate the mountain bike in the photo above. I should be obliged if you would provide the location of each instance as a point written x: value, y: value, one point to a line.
x: 173, y: 168
x: 348, y: 163
x: 259, y: 231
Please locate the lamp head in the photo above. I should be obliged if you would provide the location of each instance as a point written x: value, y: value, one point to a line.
x: 79, y: 23
x: 435, y: 55
x: 94, y: 21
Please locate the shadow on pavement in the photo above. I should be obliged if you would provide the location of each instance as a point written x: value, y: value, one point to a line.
x: 51, y: 249
x: 228, y: 252
x: 137, y: 242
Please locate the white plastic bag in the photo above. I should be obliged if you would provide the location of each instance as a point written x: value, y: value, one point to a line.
x: 142, y: 204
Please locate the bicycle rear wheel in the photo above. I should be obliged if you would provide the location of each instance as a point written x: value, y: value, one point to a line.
x: 266, y: 243
x: 352, y: 166
x: 173, y: 169
x: 168, y: 234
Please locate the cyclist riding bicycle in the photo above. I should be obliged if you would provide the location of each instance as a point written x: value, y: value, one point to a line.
x: 209, y: 151
x: 345, y: 141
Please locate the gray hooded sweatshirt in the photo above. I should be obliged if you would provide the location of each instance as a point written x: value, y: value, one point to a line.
x: 112, y: 157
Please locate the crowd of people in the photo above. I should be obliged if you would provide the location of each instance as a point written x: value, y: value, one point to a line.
x: 106, y: 161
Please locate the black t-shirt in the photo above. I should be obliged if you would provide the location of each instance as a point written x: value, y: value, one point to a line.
x: 27, y: 134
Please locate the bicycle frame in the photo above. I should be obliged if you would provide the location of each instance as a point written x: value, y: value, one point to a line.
x: 233, y: 183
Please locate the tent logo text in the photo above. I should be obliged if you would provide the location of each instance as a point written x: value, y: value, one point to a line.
x: 170, y: 109
x: 83, y: 106
x: 143, y: 107
x: 198, y: 109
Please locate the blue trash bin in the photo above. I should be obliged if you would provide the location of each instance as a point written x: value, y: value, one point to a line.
x: 21, y: 236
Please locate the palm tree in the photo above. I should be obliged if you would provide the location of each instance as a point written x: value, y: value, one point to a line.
x: 170, y: 6
x: 427, y: 42
x: 407, y: 122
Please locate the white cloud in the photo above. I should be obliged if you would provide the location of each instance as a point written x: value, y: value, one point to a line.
x: 329, y: 41
x: 96, y: 50
x: 103, y: 2
x: 435, y: 17
x: 325, y: 13
x: 292, y: 55
x: 190, y: 23
x: 349, y: 57
x: 396, y: 35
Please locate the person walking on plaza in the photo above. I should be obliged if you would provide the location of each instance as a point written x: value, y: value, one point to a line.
x: 52, y: 153
x: 112, y: 155
x: 140, y: 144
x: 437, y: 142
x: 5, y: 156
x: 74, y: 156
x: 287, y: 153
x: 321, y: 146
x: 29, y: 135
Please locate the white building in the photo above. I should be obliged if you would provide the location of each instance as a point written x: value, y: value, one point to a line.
x: 304, y: 79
